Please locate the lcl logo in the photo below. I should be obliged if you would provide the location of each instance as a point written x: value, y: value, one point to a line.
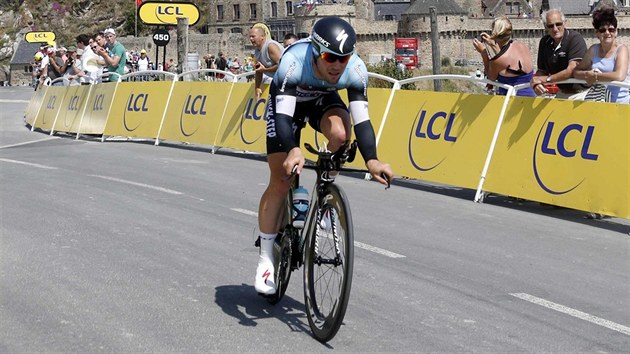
x: 555, y: 143
x: 194, y: 107
x: 253, y: 112
x: 73, y: 103
x: 426, y: 129
x: 136, y: 103
x: 97, y: 105
x: 51, y: 102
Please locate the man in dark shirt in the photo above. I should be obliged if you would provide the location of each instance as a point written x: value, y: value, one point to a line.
x: 559, y: 52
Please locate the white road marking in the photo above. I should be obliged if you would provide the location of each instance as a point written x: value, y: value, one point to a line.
x: 377, y: 250
x: 28, y: 142
x: 30, y: 164
x: 573, y: 312
x: 138, y: 184
x: 14, y: 101
x: 245, y: 211
x: 356, y: 243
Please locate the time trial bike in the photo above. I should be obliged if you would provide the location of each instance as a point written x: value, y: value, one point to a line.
x: 325, y: 246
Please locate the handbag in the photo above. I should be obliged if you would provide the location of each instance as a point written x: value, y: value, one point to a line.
x: 598, y: 93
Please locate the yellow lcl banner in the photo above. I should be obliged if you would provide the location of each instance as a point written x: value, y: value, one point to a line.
x: 137, y: 110
x: 51, y: 105
x: 71, y: 109
x: 166, y: 13
x: 34, y: 105
x: 97, y: 110
x: 573, y: 154
x: 194, y: 112
x: 438, y: 136
x: 40, y: 37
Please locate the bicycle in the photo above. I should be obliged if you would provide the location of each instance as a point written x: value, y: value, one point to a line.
x: 325, y: 246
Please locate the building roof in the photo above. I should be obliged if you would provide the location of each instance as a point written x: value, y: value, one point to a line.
x: 392, y: 9
x: 443, y: 7
x: 25, y: 52
x: 494, y: 5
x: 571, y: 7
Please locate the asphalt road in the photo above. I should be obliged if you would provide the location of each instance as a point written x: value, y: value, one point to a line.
x: 127, y: 247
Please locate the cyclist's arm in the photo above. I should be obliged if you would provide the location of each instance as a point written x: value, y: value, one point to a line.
x: 363, y: 129
x: 285, y: 108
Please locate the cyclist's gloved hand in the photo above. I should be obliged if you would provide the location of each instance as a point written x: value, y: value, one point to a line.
x: 378, y: 168
x: 294, y: 157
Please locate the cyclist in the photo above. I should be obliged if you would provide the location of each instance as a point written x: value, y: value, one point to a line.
x: 305, y: 88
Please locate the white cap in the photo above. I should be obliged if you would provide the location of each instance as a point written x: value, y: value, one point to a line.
x: 110, y: 31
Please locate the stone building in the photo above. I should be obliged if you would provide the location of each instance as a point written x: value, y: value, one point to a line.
x: 21, y: 71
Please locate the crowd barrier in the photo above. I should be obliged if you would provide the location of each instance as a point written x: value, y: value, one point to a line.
x: 573, y: 154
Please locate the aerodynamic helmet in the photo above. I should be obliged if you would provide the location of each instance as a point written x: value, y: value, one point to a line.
x: 334, y: 35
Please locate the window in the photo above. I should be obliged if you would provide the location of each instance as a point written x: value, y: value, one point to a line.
x: 513, y: 7
x: 220, y: 12
x: 236, y: 30
x: 237, y: 12
x: 274, y: 9
x: 289, y: 8
x: 252, y: 10
x: 219, y: 30
x: 390, y: 18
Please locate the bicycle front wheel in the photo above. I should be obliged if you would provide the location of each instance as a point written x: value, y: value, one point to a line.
x: 328, y: 264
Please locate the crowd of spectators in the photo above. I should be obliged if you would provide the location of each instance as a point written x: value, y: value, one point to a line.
x: 562, y: 55
x: 94, y: 58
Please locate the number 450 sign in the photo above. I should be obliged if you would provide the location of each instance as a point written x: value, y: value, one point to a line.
x: 161, y: 37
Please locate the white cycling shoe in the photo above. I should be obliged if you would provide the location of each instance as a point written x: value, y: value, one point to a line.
x: 265, y: 283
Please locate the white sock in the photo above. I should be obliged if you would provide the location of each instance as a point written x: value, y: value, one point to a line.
x: 266, y: 245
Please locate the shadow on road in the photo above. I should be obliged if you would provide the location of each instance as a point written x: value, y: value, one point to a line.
x: 242, y: 303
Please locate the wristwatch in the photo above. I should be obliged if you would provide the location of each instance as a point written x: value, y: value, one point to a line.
x: 548, y: 79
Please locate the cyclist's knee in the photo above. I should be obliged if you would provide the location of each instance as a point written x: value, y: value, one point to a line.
x: 337, y: 135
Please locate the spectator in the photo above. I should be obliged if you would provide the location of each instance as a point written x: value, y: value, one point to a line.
x: 143, y: 61
x: 172, y: 68
x: 221, y: 64
x: 69, y: 69
x: 98, y: 41
x: 559, y: 53
x: 114, y: 55
x: 289, y: 39
x: 37, y: 69
x: 267, y: 53
x: 62, y: 53
x: 510, y: 61
x: 607, y: 60
x: 53, y: 69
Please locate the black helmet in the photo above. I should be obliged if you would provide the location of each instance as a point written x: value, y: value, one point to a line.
x: 334, y: 35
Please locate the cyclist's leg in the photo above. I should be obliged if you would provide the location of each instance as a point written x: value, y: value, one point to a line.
x: 274, y: 196
x: 330, y: 117
x: 335, y: 125
x: 271, y: 203
x: 269, y: 211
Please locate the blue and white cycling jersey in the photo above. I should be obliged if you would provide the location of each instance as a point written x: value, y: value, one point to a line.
x: 296, y: 92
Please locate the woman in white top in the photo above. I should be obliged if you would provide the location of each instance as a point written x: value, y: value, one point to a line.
x: 607, y: 60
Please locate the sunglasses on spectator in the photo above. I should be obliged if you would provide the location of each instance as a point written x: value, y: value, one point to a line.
x: 331, y: 58
x: 607, y: 29
x: 557, y: 24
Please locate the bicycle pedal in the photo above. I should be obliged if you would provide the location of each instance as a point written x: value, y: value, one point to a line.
x: 257, y: 242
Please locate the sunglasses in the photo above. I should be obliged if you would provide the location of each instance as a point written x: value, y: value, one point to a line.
x: 331, y: 58
x: 609, y: 29
x: 557, y: 24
